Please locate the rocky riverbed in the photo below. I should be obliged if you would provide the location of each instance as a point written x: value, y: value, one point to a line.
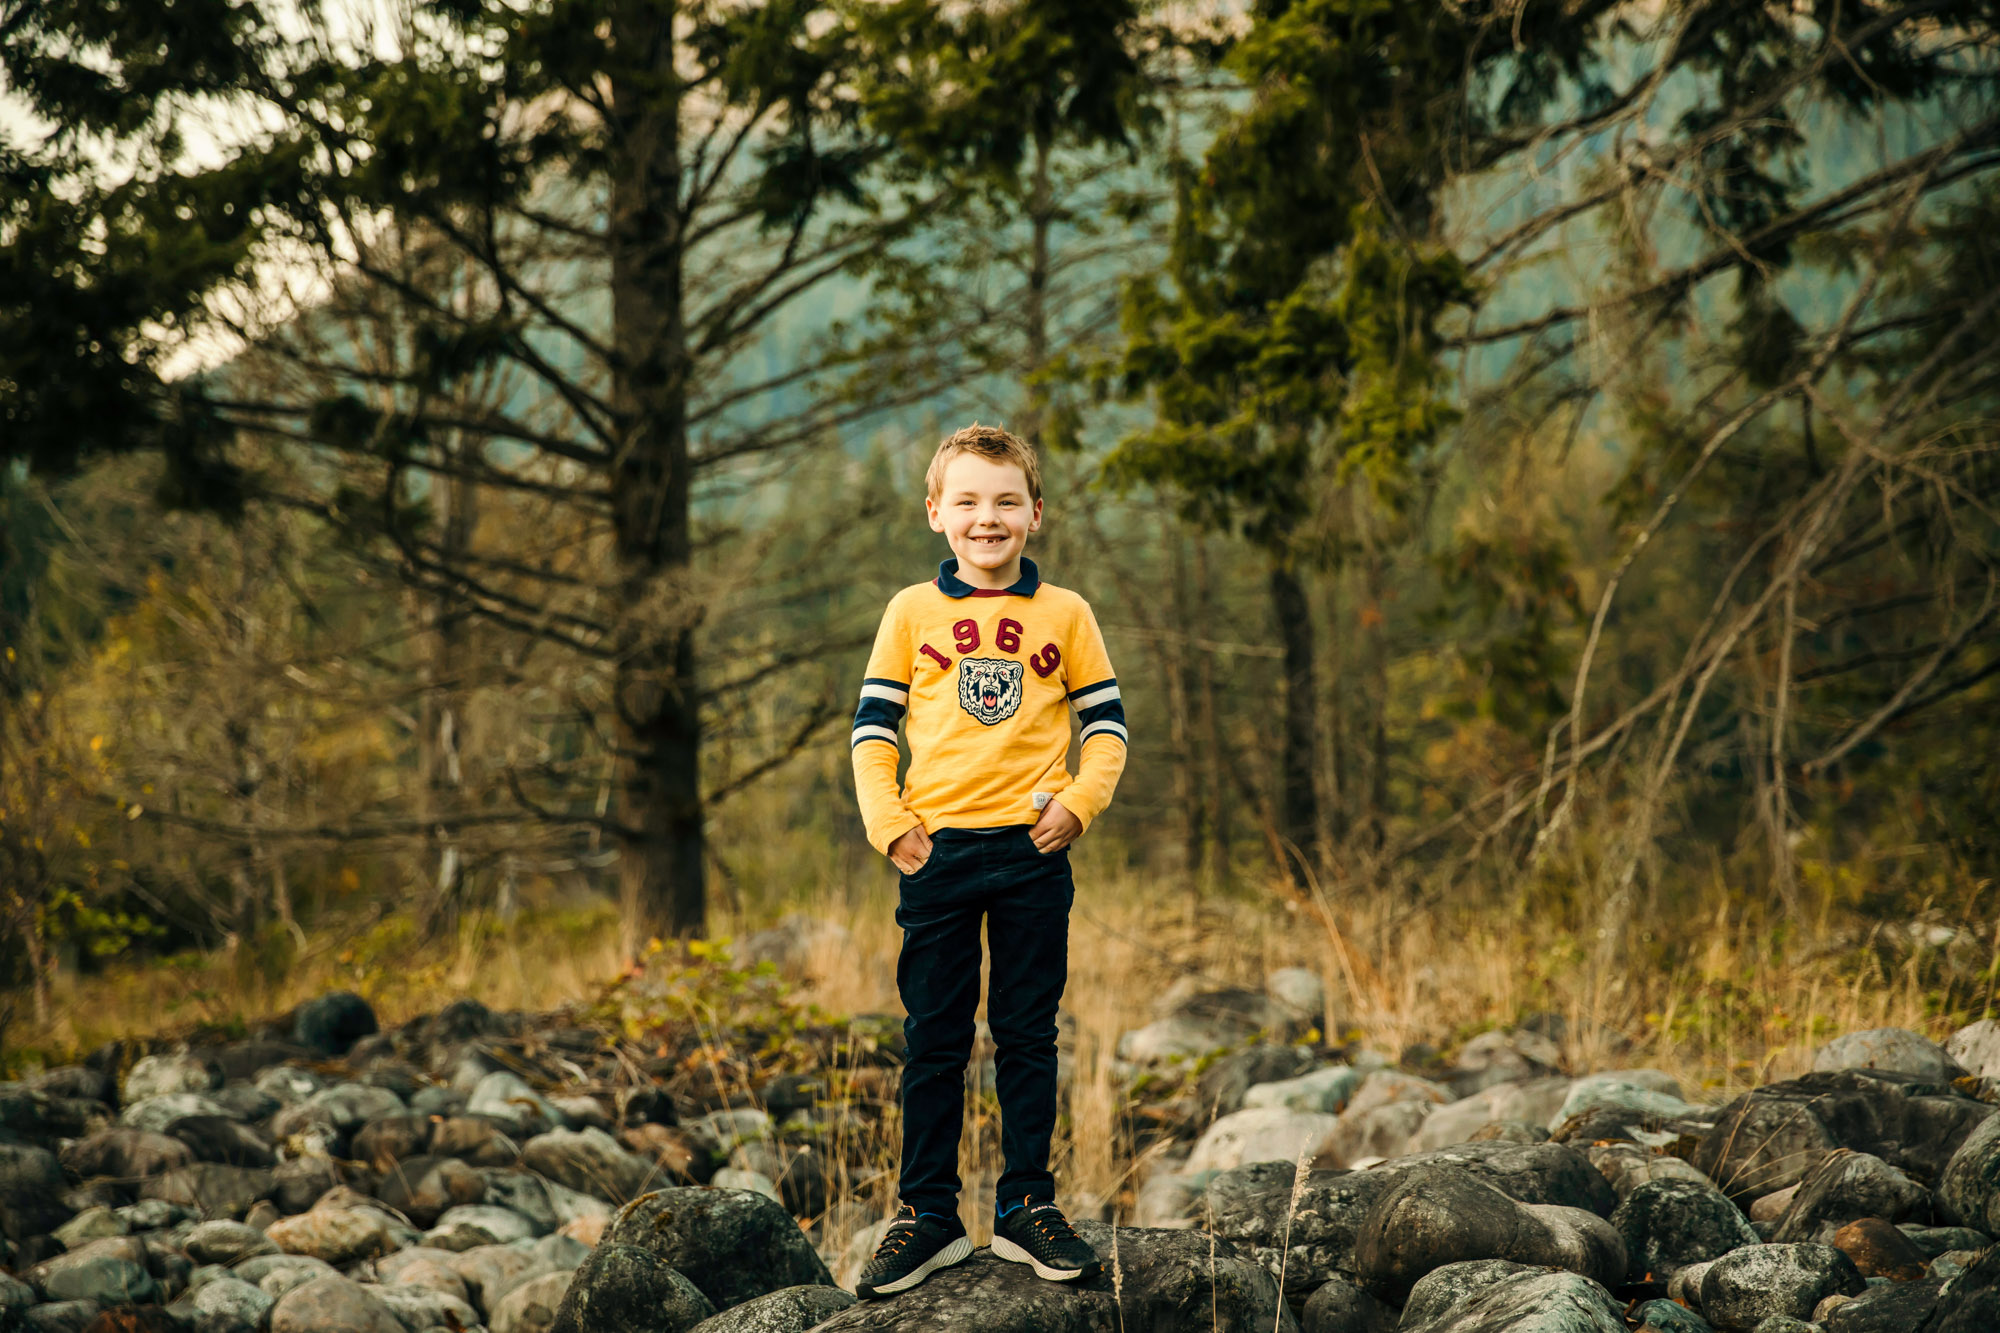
x: 519, y: 1173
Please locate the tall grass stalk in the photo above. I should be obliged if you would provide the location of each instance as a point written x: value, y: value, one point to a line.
x: 1300, y: 1173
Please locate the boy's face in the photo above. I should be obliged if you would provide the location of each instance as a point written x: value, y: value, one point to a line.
x: 984, y: 512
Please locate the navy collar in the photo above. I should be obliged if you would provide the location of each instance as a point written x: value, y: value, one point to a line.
x: 951, y: 585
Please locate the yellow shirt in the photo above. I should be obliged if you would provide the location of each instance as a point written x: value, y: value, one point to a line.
x: 982, y: 681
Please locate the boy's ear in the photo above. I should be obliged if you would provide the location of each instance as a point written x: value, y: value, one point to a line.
x: 1035, y: 519
x: 937, y: 519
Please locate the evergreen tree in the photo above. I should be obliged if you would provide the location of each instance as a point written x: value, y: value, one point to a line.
x: 616, y: 201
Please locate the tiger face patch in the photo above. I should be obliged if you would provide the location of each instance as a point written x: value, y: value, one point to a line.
x: 989, y: 688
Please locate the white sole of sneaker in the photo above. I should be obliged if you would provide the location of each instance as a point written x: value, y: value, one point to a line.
x: 1012, y: 1253
x: 955, y: 1253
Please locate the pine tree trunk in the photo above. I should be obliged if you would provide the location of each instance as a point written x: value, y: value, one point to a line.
x: 1176, y: 651
x: 441, y: 717
x: 1216, y: 771
x: 657, y: 702
x: 1035, y: 317
x: 1298, y: 805
x: 1378, y: 722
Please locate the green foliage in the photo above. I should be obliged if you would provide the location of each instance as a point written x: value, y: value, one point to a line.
x: 69, y: 917
x: 696, y: 986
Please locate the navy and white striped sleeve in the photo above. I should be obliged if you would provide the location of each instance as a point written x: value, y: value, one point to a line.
x: 1100, y: 710
x: 883, y: 703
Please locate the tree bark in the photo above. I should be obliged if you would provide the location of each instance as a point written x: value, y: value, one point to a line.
x: 1298, y: 803
x: 441, y: 718
x: 1175, y: 651
x: 1041, y: 217
x: 661, y: 864
x: 1215, y: 787
x: 1378, y: 706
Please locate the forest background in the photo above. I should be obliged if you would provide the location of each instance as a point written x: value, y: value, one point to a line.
x: 1534, y: 465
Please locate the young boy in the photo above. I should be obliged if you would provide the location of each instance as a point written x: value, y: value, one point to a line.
x: 981, y: 666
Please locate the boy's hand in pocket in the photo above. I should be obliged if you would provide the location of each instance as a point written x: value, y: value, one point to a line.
x: 1056, y: 829
x: 910, y: 851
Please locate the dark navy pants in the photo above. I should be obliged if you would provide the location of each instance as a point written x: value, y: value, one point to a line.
x: 1024, y: 896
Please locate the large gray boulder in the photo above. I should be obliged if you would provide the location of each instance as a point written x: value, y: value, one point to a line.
x: 259, y: 1267
x: 1535, y: 1301
x: 1668, y: 1224
x: 507, y: 1099
x: 332, y: 1023
x: 1845, y: 1186
x: 589, y: 1161
x: 15, y: 1296
x: 1627, y: 1166
x: 1446, y: 1214
x: 423, y: 1308
x: 1539, y: 1173
x: 1442, y: 1288
x: 1968, y: 1190
x: 1774, y: 1137
x: 126, y: 1153
x: 734, y: 1245
x: 1261, y: 1134
x: 1166, y: 1285
x: 1175, y: 1282
x: 112, y: 1271
x: 1646, y: 1096
x: 1248, y: 1207
x: 1658, y: 1316
x: 338, y: 1235
x: 532, y: 1306
x: 383, y: 1143
x: 351, y: 1105
x: 1889, y: 1307
x: 469, y: 1227
x: 787, y: 1310
x: 1970, y: 1302
x: 298, y: 1182
x: 156, y: 1113
x: 1897, y: 1049
x: 631, y: 1290
x: 211, y: 1189
x: 226, y: 1242
x: 1976, y: 1048
x: 1382, y: 1115
x: 425, y: 1188
x: 491, y: 1272
x: 159, y: 1075
x: 1747, y: 1286
x: 1338, y: 1306
x: 1222, y: 1086
x: 31, y: 1187
x: 332, y: 1302
x: 230, y: 1305
x: 60, y: 1317
x: 222, y: 1138
x: 1326, y: 1090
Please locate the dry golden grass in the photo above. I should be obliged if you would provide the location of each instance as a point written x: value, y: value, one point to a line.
x: 1726, y: 1011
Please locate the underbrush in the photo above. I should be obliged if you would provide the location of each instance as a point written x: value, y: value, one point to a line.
x: 1719, y: 1000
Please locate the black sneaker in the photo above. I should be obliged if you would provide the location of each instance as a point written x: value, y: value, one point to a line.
x: 914, y: 1248
x: 1039, y: 1235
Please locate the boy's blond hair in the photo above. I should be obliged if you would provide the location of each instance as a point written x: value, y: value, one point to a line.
x: 991, y: 443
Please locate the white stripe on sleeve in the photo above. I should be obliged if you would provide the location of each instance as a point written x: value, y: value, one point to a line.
x: 874, y: 734
x: 893, y: 695
x: 1096, y: 697
x: 1114, y: 728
